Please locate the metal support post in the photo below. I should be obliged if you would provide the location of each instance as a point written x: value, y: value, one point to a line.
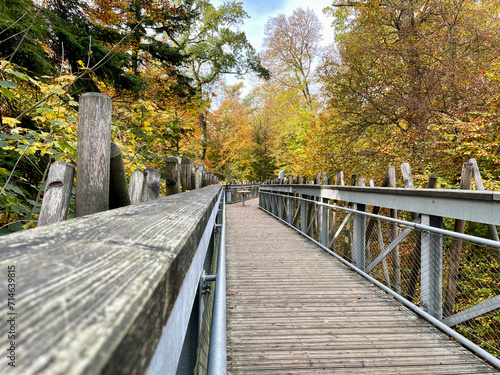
x: 324, y: 222
x: 303, y: 216
x: 358, y: 237
x: 432, y: 267
x: 289, y: 202
x: 280, y: 206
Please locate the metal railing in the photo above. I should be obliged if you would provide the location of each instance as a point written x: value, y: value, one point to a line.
x: 217, y: 353
x: 451, y: 279
x: 238, y: 193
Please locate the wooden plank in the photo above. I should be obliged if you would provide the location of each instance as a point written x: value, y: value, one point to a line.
x: 94, y: 293
x: 293, y: 309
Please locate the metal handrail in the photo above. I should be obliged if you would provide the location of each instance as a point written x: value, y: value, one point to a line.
x: 271, y: 205
x: 443, y: 232
x: 464, y: 341
x: 217, y: 356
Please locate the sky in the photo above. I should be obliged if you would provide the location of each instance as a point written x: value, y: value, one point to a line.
x: 261, y: 10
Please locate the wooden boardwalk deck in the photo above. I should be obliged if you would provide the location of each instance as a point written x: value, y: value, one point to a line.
x: 294, y: 309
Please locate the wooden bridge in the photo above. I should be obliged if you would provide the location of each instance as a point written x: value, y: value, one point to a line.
x: 292, y: 309
x: 373, y: 284
x: 119, y: 292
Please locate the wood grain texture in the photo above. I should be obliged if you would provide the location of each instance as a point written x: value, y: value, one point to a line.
x: 172, y: 175
x: 94, y: 293
x: 198, y: 176
x: 57, y: 195
x: 151, y: 187
x: 94, y: 140
x: 186, y: 174
x: 135, y: 187
x: 293, y: 309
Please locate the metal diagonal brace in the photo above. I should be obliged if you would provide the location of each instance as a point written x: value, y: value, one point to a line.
x: 401, y: 236
x: 312, y: 218
x: 346, y: 219
x: 473, y: 312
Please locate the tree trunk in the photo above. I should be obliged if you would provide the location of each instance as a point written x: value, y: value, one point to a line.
x: 204, y: 134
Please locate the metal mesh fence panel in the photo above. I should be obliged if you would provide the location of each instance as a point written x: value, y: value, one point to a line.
x: 204, y: 340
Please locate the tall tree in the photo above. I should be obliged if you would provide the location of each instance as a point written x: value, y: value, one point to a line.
x: 406, y: 66
x: 291, y: 47
x: 214, y: 46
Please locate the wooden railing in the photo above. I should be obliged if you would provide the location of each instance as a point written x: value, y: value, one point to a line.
x: 96, y: 294
x: 101, y: 181
x: 115, y: 290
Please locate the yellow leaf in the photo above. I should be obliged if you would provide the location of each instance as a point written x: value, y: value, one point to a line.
x: 10, y: 121
x: 66, y: 78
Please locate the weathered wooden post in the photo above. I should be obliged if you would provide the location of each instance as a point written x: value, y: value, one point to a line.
x: 492, y: 229
x: 151, y: 187
x: 135, y: 187
x: 204, y: 178
x: 93, y: 154
x: 456, y: 248
x: 394, y: 234
x: 186, y: 173
x: 193, y: 176
x: 172, y: 175
x: 281, y: 176
x: 57, y: 195
x: 118, y: 189
x: 199, y: 176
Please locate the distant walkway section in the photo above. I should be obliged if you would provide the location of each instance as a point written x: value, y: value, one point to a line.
x: 294, y: 309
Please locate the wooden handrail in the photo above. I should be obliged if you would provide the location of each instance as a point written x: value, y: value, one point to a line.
x: 93, y: 294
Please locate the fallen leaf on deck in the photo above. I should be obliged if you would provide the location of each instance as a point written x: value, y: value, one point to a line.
x: 296, y: 361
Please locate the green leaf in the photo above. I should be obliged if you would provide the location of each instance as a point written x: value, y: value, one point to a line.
x: 22, y: 76
x: 9, y: 84
x: 57, y: 122
x: 34, y: 203
x: 47, y: 111
x: 58, y: 90
x: 6, y: 92
x: 15, y: 189
x: 16, y: 227
x: 73, y: 103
